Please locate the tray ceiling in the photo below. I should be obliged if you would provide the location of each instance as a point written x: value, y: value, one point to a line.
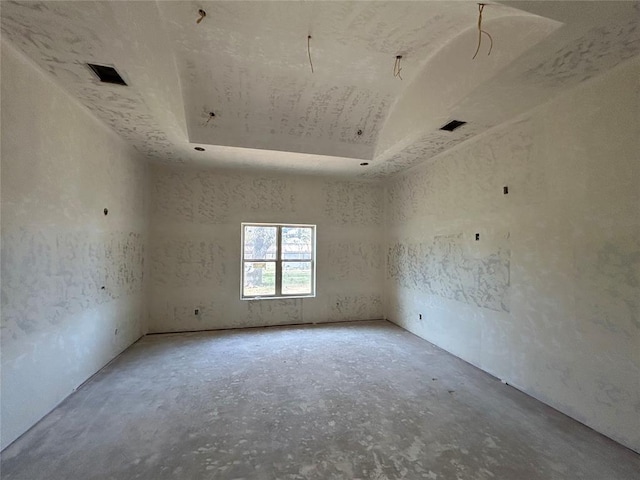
x: 248, y: 63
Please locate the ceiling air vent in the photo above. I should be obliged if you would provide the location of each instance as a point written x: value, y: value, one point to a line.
x: 452, y: 125
x: 107, y: 74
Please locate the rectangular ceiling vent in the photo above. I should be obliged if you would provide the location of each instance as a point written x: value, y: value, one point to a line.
x: 452, y: 125
x: 107, y: 74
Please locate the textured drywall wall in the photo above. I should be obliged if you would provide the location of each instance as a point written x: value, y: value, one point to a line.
x: 549, y: 298
x: 195, y: 247
x: 60, y: 168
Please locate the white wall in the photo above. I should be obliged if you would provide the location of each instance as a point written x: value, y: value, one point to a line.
x: 549, y: 298
x: 60, y: 168
x: 195, y: 247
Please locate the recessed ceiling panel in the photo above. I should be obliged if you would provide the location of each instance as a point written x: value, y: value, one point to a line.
x: 249, y: 61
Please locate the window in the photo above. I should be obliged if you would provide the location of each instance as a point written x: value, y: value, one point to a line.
x: 278, y: 260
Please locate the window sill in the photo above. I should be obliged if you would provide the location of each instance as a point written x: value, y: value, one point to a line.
x: 284, y: 297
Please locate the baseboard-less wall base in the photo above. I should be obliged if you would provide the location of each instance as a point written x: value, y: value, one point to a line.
x: 297, y: 324
x: 522, y: 389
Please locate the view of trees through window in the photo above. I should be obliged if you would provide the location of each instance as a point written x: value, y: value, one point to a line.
x: 278, y: 260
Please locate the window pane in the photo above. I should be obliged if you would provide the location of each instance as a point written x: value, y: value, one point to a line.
x: 260, y: 243
x: 296, y: 278
x: 259, y: 279
x: 297, y: 243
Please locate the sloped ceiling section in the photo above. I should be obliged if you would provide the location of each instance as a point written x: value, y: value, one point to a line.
x: 248, y: 63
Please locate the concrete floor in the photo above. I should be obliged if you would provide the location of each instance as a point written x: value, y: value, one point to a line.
x: 359, y: 400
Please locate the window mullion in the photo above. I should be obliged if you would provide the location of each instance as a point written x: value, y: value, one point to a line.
x: 279, y: 263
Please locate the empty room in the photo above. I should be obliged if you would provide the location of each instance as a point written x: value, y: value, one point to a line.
x: 308, y: 240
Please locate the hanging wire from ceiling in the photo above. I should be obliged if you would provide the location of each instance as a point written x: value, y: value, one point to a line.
x: 481, y: 31
x: 202, y: 14
x: 309, y: 51
x: 397, y: 68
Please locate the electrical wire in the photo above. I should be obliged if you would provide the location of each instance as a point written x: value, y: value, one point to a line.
x: 202, y: 14
x: 309, y: 51
x: 481, y: 31
x: 397, y: 68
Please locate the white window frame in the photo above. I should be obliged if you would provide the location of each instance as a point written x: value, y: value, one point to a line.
x: 278, y: 262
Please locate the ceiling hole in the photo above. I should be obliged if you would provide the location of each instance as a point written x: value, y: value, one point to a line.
x: 199, y: 149
x: 452, y: 125
x: 107, y: 74
x: 359, y: 132
x: 364, y: 164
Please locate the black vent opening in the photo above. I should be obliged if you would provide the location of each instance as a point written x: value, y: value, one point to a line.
x: 452, y: 125
x: 107, y: 74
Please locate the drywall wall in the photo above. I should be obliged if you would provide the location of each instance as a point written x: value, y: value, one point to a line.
x: 548, y: 299
x: 195, y: 247
x: 60, y: 168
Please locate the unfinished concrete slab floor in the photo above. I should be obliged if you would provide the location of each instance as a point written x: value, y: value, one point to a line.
x: 361, y: 400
